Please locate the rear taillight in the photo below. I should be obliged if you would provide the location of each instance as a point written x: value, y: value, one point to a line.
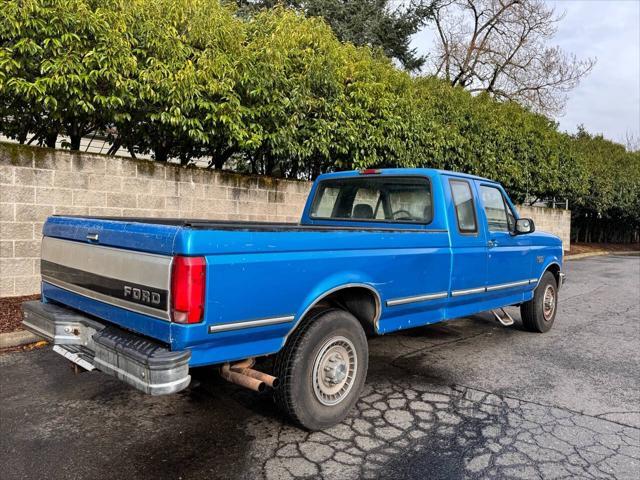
x: 187, y: 289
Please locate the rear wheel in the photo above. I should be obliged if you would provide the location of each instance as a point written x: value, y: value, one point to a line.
x: 539, y: 313
x: 322, y: 369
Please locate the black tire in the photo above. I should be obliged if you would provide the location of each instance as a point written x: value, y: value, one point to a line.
x: 535, y: 317
x: 307, y: 347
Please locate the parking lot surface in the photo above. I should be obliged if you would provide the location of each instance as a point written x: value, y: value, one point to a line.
x: 463, y: 399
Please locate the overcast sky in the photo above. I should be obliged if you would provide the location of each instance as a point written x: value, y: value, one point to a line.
x: 608, y: 100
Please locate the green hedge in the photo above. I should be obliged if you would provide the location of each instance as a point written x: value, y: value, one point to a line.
x: 278, y: 94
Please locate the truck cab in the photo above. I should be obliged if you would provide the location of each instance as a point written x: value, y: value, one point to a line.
x: 375, y: 251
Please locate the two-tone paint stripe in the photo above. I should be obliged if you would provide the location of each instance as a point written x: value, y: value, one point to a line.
x: 101, y: 297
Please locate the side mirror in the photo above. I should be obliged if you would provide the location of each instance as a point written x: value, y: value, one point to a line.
x: 524, y: 225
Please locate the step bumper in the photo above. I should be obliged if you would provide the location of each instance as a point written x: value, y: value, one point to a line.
x: 137, y: 361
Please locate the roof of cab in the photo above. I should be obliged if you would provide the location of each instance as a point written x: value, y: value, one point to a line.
x: 402, y: 171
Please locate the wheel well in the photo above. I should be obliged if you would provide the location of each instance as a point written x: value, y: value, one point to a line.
x: 554, y: 268
x: 361, y: 302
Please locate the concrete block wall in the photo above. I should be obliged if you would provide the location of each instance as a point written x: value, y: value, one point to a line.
x: 551, y: 220
x: 37, y: 182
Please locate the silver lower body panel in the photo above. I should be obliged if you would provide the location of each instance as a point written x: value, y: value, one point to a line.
x: 142, y: 363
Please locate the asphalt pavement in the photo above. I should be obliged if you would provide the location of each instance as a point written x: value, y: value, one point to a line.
x: 463, y: 399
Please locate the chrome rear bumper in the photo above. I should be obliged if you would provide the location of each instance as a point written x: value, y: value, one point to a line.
x: 142, y: 363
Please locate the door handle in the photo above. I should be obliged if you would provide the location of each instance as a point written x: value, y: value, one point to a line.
x: 492, y: 243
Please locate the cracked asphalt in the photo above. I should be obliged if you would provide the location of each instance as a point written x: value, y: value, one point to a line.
x: 463, y: 399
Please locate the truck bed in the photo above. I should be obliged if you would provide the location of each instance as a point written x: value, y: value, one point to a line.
x: 205, y: 224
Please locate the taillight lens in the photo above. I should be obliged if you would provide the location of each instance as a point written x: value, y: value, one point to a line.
x: 187, y: 289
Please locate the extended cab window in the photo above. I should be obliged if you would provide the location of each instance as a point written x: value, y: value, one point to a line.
x: 381, y: 198
x: 465, y: 209
x: 499, y: 217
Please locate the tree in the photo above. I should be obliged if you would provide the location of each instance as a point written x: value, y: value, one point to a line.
x: 63, y: 67
x: 276, y: 93
x: 185, y: 101
x: 288, y: 85
x: 381, y: 24
x: 609, y: 208
x: 502, y: 47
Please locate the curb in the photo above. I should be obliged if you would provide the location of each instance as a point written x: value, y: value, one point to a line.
x: 16, y: 339
x: 600, y: 253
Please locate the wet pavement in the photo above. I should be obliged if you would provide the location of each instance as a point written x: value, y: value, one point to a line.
x: 465, y: 399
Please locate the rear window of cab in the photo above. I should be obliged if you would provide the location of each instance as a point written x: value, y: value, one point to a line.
x: 374, y: 199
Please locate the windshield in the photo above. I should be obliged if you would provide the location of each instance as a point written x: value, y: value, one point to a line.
x: 381, y: 199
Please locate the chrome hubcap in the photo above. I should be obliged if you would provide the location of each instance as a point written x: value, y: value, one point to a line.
x: 334, y: 371
x: 549, y: 302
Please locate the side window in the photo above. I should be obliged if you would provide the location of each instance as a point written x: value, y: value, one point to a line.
x: 494, y: 208
x: 465, y: 209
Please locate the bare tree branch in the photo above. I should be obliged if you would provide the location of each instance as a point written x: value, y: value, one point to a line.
x: 503, y: 47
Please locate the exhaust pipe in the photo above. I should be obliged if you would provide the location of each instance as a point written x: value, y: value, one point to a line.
x: 269, y: 380
x: 242, y: 380
x: 242, y: 374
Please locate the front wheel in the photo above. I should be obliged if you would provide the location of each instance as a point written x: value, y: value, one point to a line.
x: 322, y: 369
x: 539, y: 313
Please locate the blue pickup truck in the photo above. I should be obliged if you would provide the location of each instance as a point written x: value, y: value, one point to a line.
x: 376, y: 251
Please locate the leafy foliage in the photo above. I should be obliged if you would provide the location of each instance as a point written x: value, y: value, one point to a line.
x: 609, y: 209
x: 64, y: 67
x: 185, y: 102
x: 382, y: 24
x: 277, y: 93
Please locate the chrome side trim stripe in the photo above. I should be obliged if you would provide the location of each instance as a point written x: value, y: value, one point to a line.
x: 417, y: 298
x: 458, y: 293
x: 134, y: 307
x: 491, y: 288
x: 261, y: 322
x: 507, y: 285
x: 469, y: 291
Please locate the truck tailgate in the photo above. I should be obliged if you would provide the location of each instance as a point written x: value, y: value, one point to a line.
x: 136, y: 281
x: 115, y: 270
